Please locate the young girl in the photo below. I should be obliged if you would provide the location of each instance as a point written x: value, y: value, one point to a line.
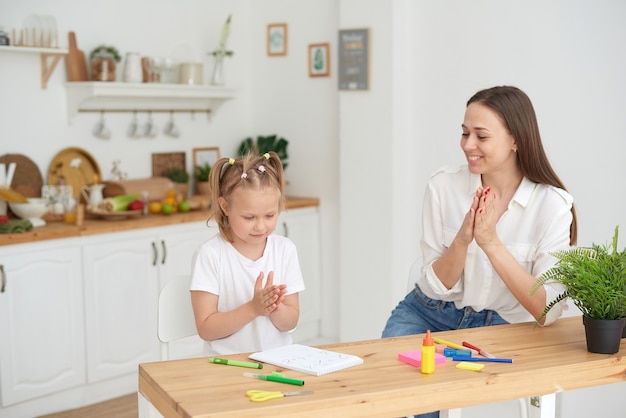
x: 245, y: 280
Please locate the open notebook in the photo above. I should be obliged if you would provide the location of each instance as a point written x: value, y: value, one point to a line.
x: 307, y: 359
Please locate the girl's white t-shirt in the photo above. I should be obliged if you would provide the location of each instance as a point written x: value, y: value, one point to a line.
x: 218, y: 268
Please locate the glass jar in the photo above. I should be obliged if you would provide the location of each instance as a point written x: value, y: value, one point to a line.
x: 102, y: 66
x: 4, y: 37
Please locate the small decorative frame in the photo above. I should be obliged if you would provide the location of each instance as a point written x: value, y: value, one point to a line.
x: 205, y: 155
x: 277, y: 39
x: 319, y: 60
x: 163, y: 162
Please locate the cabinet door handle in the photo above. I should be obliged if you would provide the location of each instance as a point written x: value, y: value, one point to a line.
x: 286, y: 229
x: 154, y: 253
x: 164, y: 252
x: 3, y: 282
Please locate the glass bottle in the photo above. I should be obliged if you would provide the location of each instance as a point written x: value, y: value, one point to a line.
x: 4, y: 37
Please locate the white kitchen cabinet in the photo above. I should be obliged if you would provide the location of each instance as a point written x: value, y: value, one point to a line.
x: 42, y: 344
x: 121, y: 291
x: 302, y: 227
x: 124, y: 273
x: 177, y: 245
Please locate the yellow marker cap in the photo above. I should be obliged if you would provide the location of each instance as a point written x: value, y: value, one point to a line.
x: 466, y: 365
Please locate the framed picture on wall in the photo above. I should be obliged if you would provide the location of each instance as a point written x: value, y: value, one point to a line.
x: 277, y: 39
x: 319, y: 60
x: 354, y: 59
x: 205, y: 155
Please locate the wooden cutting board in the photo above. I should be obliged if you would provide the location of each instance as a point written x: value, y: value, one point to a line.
x: 75, y: 62
x: 155, y: 186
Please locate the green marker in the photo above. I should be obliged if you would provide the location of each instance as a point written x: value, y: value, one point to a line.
x: 249, y: 365
x: 275, y: 378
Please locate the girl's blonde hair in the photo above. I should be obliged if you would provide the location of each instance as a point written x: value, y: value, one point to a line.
x: 249, y: 172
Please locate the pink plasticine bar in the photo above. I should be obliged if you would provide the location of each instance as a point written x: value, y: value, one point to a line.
x: 414, y: 358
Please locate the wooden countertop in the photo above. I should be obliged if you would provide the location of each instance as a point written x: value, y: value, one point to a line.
x: 92, y: 225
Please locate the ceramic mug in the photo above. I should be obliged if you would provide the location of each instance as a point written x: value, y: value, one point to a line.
x: 133, y: 73
x: 190, y: 73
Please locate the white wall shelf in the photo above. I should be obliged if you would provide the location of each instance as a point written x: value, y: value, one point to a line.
x: 49, y: 57
x: 102, y: 96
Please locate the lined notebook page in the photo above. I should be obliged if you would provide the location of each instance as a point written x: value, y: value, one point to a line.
x: 305, y: 359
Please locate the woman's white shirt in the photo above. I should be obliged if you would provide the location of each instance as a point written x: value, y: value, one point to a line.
x: 536, y: 223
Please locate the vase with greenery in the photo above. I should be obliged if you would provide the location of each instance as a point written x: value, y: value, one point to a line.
x: 264, y: 144
x: 102, y: 63
x: 217, y: 75
x: 595, y: 281
x: 201, y: 173
x: 180, y: 177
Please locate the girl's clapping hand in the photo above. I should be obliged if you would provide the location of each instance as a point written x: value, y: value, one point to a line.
x: 267, y: 299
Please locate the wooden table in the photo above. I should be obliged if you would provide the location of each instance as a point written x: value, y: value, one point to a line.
x: 545, y: 361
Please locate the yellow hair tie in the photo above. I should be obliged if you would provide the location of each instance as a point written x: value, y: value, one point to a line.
x: 231, y: 161
x: 267, y: 156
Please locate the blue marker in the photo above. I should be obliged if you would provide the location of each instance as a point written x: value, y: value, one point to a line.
x: 457, y: 352
x: 485, y: 359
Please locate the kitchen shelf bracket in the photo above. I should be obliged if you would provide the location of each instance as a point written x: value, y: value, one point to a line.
x: 49, y: 57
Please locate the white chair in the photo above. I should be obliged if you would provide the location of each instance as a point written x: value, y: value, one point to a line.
x: 175, y: 314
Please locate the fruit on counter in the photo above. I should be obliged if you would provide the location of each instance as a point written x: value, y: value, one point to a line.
x: 184, y: 206
x: 136, y: 204
x: 171, y: 199
x: 4, y: 219
x: 154, y: 207
x: 167, y: 208
x: 118, y: 203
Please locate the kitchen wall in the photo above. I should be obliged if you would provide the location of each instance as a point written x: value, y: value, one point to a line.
x: 428, y: 59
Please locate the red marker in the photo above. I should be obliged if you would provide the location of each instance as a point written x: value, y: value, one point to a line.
x: 480, y: 350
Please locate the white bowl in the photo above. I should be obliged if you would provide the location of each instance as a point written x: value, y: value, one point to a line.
x: 33, y: 210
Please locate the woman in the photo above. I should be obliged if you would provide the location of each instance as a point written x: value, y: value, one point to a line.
x: 479, y: 264
x: 489, y: 226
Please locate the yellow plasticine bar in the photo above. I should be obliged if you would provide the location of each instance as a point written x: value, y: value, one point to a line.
x: 466, y: 365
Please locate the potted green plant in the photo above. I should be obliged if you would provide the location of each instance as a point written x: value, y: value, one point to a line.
x: 180, y: 177
x: 202, y: 178
x: 595, y: 281
x: 265, y: 144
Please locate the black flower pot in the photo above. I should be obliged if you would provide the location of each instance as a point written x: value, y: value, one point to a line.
x: 603, y: 335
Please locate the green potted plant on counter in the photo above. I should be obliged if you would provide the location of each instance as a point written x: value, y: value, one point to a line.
x: 595, y: 281
x: 202, y: 178
x: 265, y: 144
x: 180, y: 177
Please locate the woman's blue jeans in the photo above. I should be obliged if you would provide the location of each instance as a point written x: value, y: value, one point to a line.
x: 418, y: 313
